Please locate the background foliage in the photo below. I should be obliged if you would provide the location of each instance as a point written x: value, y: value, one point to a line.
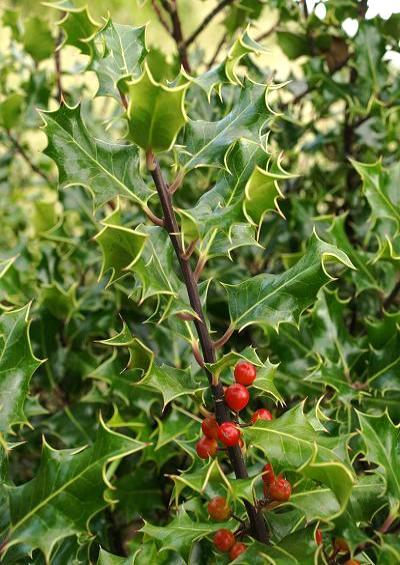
x: 295, y: 209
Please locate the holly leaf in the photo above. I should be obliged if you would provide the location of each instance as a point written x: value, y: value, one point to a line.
x: 380, y: 186
x: 37, y: 39
x: 106, y: 169
x: 206, y: 142
x: 180, y: 534
x: 61, y: 303
x: 57, y: 503
x: 381, y: 446
x: 155, y: 113
x: 118, y: 52
x: 121, y: 246
x: 269, y: 300
x: 291, y: 442
x: 77, y: 24
x: 17, y: 365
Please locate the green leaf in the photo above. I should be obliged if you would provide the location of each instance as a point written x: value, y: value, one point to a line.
x: 37, y: 39
x: 155, y: 113
x: 381, y: 440
x: 57, y: 503
x: 11, y: 110
x: 17, y: 364
x: 78, y: 26
x: 291, y: 442
x: 269, y: 300
x: 180, y: 534
x: 61, y: 303
x: 380, y: 186
x: 117, y: 54
x: 206, y: 143
x: 121, y: 246
x: 106, y: 169
x: 293, y: 44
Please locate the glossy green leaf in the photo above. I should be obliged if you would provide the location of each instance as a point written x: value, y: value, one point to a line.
x: 155, y: 113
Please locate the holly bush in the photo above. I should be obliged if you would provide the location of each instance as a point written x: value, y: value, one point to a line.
x: 199, y: 285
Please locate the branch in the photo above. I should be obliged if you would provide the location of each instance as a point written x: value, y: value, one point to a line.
x: 172, y: 9
x: 26, y: 157
x: 258, y: 528
x: 207, y: 20
x: 57, y: 61
x: 160, y: 16
x: 268, y: 32
x: 216, y: 52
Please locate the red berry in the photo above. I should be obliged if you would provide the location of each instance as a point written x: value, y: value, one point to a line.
x: 237, y: 397
x: 318, y: 536
x: 224, y: 540
x: 219, y: 509
x: 352, y: 562
x: 268, y: 474
x: 206, y: 447
x: 261, y: 414
x: 280, y: 489
x: 210, y: 427
x: 245, y: 373
x: 229, y: 434
x: 340, y: 545
x: 236, y: 550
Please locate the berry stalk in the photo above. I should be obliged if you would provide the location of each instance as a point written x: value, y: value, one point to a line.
x: 257, y: 525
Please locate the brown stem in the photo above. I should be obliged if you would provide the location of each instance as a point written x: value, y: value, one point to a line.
x: 206, y: 21
x: 57, y: 62
x: 269, y: 32
x: 160, y: 16
x: 172, y: 9
x: 218, y: 343
x: 152, y: 217
x: 216, y: 52
x: 26, y: 157
x: 257, y: 524
x: 190, y: 250
x: 387, y: 523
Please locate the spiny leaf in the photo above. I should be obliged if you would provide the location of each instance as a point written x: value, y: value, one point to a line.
x: 206, y: 143
x: 121, y: 246
x: 117, y: 54
x: 17, y: 364
x: 77, y: 24
x: 380, y: 186
x: 61, y: 303
x: 106, y: 169
x: 57, y: 503
x: 381, y: 439
x: 155, y: 113
x: 291, y: 442
x: 269, y: 300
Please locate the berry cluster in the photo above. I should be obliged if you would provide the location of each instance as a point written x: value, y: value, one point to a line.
x: 275, y: 487
x: 224, y: 540
x: 236, y: 398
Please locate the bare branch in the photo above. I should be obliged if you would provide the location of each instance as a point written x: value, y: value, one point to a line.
x: 207, y: 20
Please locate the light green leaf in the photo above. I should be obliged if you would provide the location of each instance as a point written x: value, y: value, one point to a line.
x: 269, y: 300
x: 61, y: 303
x: 77, y: 24
x: 106, y: 169
x: 37, y: 39
x: 155, y: 113
x: 17, y: 364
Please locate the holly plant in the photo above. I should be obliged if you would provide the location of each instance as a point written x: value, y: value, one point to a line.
x: 199, y: 283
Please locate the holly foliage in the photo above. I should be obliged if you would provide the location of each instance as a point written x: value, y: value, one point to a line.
x: 170, y: 212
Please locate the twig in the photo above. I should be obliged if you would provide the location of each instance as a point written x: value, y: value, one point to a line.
x: 152, y: 217
x: 206, y: 21
x: 26, y: 157
x: 222, y: 340
x: 258, y: 527
x: 387, y: 523
x: 160, y: 16
x: 57, y: 62
x: 172, y: 9
x: 269, y: 32
x: 190, y: 250
x: 216, y: 52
